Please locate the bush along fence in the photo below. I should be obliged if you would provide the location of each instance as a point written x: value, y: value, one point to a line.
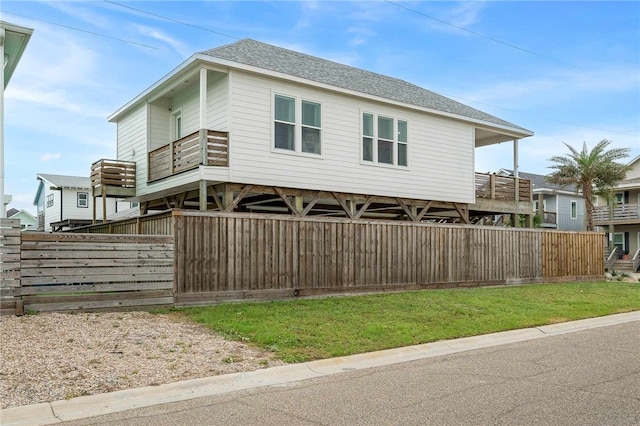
x: 211, y: 257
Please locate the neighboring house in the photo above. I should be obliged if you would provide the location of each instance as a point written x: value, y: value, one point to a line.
x: 625, y: 213
x: 65, y: 202
x: 558, y: 206
x: 253, y: 127
x: 13, y: 42
x: 27, y: 220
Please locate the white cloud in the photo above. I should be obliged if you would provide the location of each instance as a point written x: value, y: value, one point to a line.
x: 159, y: 35
x: 49, y: 156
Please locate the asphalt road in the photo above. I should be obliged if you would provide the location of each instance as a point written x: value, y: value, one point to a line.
x: 589, y: 377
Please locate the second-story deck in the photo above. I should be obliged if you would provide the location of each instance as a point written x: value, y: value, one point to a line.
x: 622, y: 214
x: 495, y: 195
x: 205, y: 147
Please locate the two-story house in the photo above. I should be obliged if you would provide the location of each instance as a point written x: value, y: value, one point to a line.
x: 624, y: 217
x: 65, y: 202
x: 257, y: 128
x: 559, y: 207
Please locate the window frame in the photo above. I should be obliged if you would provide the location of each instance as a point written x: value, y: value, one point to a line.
x: 177, y: 125
x: 78, y: 197
x: 49, y: 200
x: 375, y: 138
x: 573, y: 213
x: 298, y: 126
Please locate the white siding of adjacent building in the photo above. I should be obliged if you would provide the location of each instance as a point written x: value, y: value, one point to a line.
x: 70, y: 210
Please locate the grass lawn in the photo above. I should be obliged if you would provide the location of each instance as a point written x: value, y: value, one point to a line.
x: 307, y: 329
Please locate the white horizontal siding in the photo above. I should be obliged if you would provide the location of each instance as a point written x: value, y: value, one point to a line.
x: 440, y: 150
x: 132, y: 143
x: 217, y: 101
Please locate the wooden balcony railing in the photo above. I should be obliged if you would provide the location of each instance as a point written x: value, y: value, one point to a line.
x: 549, y: 217
x: 621, y: 212
x: 503, y: 188
x: 113, y: 178
x: 208, y: 148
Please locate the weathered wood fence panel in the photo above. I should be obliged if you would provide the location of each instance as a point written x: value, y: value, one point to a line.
x: 223, y: 256
x: 9, y: 265
x: 61, y: 272
x: 151, y: 224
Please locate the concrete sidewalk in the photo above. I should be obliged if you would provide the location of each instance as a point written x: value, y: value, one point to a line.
x: 97, y: 405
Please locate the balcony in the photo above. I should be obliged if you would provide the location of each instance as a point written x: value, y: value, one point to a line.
x: 205, y: 147
x: 622, y: 214
x: 503, y: 188
x: 113, y: 178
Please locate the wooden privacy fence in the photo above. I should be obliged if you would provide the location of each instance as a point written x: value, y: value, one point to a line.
x: 242, y: 256
x: 9, y: 264
x: 216, y: 256
x: 61, y: 272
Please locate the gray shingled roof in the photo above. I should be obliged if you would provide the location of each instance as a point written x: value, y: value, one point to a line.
x: 540, y: 181
x: 273, y: 58
x: 62, y: 181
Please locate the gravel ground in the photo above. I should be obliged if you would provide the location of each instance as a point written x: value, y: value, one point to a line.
x: 54, y: 356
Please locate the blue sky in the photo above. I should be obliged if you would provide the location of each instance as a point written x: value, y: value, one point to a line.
x: 569, y: 71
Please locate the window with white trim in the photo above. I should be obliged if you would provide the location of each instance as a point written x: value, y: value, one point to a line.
x: 83, y: 199
x: 574, y: 209
x: 297, y: 125
x: 177, y: 125
x: 50, y: 200
x: 384, y: 140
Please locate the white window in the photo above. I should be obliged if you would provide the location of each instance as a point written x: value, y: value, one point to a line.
x: 574, y: 209
x: 177, y: 125
x: 618, y: 241
x: 50, y: 200
x: 384, y: 140
x: 536, y: 205
x: 297, y: 125
x: 619, y: 198
x: 83, y: 199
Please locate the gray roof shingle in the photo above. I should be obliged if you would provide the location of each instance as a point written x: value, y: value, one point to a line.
x: 273, y: 58
x: 63, y: 181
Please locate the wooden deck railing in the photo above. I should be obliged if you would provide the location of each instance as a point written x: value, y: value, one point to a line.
x: 114, y: 174
x: 620, y: 212
x: 188, y: 153
x: 496, y: 187
x: 549, y: 217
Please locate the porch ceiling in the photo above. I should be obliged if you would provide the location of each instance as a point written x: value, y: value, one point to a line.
x: 486, y: 137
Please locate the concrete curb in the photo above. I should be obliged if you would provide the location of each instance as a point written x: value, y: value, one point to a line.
x: 97, y: 405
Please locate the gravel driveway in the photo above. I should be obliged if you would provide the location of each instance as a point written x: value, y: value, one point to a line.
x: 53, y: 356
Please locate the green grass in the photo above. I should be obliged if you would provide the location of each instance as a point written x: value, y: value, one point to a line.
x: 307, y: 329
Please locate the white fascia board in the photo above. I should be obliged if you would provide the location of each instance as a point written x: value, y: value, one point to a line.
x: 516, y: 133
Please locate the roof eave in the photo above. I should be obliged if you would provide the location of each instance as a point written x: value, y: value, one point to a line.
x: 158, y: 85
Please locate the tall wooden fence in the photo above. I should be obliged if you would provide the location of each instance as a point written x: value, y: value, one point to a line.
x: 241, y: 256
x: 214, y: 256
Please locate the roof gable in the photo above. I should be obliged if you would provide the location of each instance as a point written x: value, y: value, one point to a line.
x: 268, y: 57
x: 63, y: 181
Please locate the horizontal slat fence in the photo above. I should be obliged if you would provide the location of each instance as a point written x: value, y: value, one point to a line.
x: 62, y: 272
x: 223, y: 256
x: 9, y: 265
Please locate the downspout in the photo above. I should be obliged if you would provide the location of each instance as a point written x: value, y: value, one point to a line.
x: 61, y: 204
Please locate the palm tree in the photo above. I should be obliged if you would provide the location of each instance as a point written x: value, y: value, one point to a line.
x: 589, y: 171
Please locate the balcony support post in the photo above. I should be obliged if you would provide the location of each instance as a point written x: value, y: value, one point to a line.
x: 202, y: 196
x: 516, y: 222
x: 203, y: 117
